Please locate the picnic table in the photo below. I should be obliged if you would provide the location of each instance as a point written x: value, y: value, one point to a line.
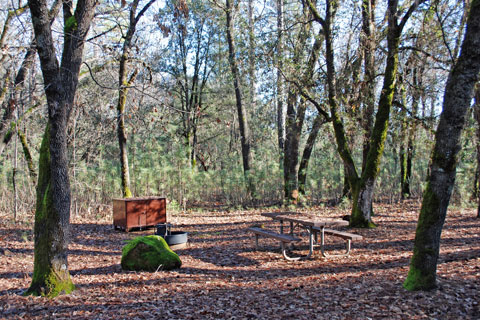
x: 313, y: 224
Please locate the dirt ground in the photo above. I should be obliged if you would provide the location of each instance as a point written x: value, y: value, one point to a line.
x: 223, y: 277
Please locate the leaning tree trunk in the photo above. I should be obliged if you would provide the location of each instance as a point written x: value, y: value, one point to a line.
x: 28, y: 156
x: 307, y: 152
x: 242, y: 112
x: 52, y: 217
x: 436, y: 197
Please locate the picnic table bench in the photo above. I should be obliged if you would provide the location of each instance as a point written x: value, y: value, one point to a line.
x: 283, y: 238
x: 313, y: 224
x: 347, y: 236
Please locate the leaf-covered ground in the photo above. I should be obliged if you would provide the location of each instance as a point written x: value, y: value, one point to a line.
x: 223, y: 277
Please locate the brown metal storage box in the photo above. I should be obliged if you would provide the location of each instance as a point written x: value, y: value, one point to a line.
x: 131, y: 213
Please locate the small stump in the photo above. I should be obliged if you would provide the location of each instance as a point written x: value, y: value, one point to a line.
x: 149, y: 253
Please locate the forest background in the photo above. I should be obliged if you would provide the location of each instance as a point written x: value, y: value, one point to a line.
x: 182, y: 132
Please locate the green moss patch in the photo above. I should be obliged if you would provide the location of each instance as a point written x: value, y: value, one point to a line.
x: 417, y: 281
x: 149, y: 253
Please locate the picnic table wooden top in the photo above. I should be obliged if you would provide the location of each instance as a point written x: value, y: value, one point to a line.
x: 306, y: 219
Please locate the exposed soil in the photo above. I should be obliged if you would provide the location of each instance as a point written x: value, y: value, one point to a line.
x: 223, y: 277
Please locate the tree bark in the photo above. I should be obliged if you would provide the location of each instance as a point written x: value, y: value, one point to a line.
x: 124, y: 84
x: 251, y: 55
x: 307, y: 152
x: 52, y: 226
x: 476, y: 111
x: 294, y: 124
x: 363, y: 192
x: 281, y: 112
x: 5, y: 125
x: 28, y: 156
x: 404, y: 129
x: 242, y: 112
x: 440, y: 182
x: 362, y: 187
x: 412, y: 131
x: 296, y: 108
x: 367, y: 40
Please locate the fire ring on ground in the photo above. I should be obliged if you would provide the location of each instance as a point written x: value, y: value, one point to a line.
x: 174, y: 239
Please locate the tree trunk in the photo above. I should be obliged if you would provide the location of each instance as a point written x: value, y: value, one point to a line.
x: 124, y: 84
x: 28, y: 156
x: 296, y: 108
x: 293, y: 127
x: 281, y: 112
x: 121, y: 132
x: 403, y: 153
x: 5, y: 125
x: 412, y: 130
x: 417, y: 74
x: 242, y: 112
x: 52, y: 217
x: 368, y: 45
x: 476, y: 111
x: 440, y: 182
x: 307, y: 152
x: 362, y: 193
x: 51, y: 231
x: 251, y: 55
x: 362, y: 187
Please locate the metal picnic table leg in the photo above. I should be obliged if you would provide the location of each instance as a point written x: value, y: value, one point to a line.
x: 322, y: 241
x: 322, y: 246
x: 310, y: 242
x: 310, y: 245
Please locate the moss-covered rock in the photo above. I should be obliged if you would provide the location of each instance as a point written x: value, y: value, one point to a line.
x: 149, y: 253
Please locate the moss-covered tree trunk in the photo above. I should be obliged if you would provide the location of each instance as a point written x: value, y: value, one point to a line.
x: 50, y: 275
x: 28, y: 156
x: 362, y: 193
x: 362, y: 187
x: 52, y: 217
x: 440, y: 182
